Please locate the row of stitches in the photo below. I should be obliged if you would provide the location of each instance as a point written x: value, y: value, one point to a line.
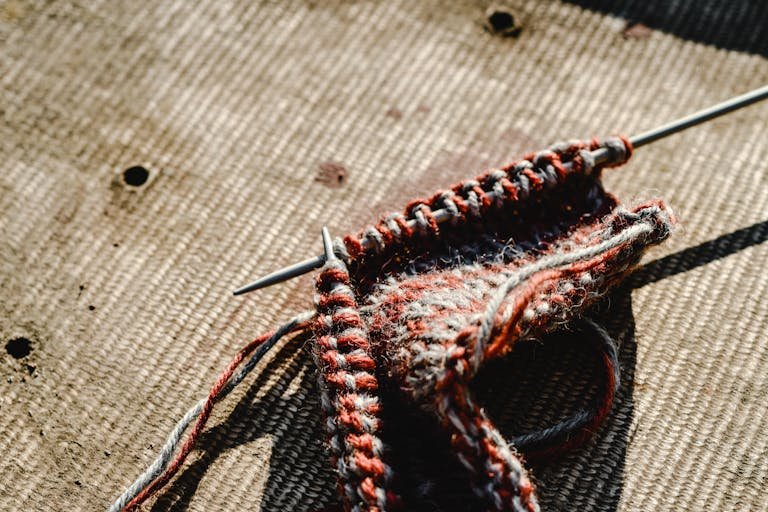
x: 349, y: 388
x: 471, y: 199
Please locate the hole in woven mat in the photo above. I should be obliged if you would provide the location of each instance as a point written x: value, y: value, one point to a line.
x: 135, y: 176
x: 18, y: 347
x: 501, y: 21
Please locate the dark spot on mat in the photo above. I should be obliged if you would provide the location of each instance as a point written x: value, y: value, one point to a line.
x: 636, y: 31
x: 331, y: 174
x: 107, y: 453
x: 501, y: 21
x: 394, y: 113
x: 30, y: 368
x: 18, y: 347
x: 135, y: 176
x: 78, y: 483
x: 91, y: 307
x: 115, y: 244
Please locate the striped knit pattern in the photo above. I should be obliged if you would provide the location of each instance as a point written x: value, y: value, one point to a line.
x: 497, y: 472
x: 349, y: 394
x: 485, y: 308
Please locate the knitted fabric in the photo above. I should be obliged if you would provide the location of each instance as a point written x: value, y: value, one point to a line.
x: 439, y: 301
x: 419, y: 302
x: 437, y: 329
x: 537, y: 198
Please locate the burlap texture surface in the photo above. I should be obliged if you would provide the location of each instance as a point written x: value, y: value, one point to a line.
x: 237, y: 109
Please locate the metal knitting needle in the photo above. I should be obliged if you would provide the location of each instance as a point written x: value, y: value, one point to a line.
x: 601, y: 156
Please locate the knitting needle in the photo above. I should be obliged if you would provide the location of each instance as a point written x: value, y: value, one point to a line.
x: 601, y: 156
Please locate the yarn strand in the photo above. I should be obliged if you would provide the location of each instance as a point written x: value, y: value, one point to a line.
x: 165, y: 466
x: 549, y: 442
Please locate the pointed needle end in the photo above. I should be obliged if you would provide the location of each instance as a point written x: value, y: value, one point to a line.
x: 328, y: 245
x: 284, y: 274
x: 248, y: 288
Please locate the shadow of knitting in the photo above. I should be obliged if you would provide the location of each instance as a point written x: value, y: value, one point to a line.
x: 280, y: 404
x: 730, y: 24
x: 701, y: 254
x: 590, y: 477
x: 535, y: 386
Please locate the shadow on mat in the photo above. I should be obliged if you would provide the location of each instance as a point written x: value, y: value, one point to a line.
x: 536, y: 385
x: 731, y: 24
x: 701, y: 254
x: 280, y: 403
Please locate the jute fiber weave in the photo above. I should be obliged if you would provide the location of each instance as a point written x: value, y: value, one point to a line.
x: 258, y: 123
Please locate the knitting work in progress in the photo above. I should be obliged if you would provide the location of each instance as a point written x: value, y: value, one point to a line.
x: 419, y: 306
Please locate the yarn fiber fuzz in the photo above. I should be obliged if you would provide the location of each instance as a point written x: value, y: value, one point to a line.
x: 428, y: 306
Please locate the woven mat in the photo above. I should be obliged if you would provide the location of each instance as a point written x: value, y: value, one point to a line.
x: 258, y: 123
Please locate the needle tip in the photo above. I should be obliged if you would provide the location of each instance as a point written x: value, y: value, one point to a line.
x: 328, y: 245
x: 284, y: 274
x: 247, y: 288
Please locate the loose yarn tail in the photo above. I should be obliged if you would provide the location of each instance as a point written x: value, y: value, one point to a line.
x: 551, y: 442
x: 166, y: 465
